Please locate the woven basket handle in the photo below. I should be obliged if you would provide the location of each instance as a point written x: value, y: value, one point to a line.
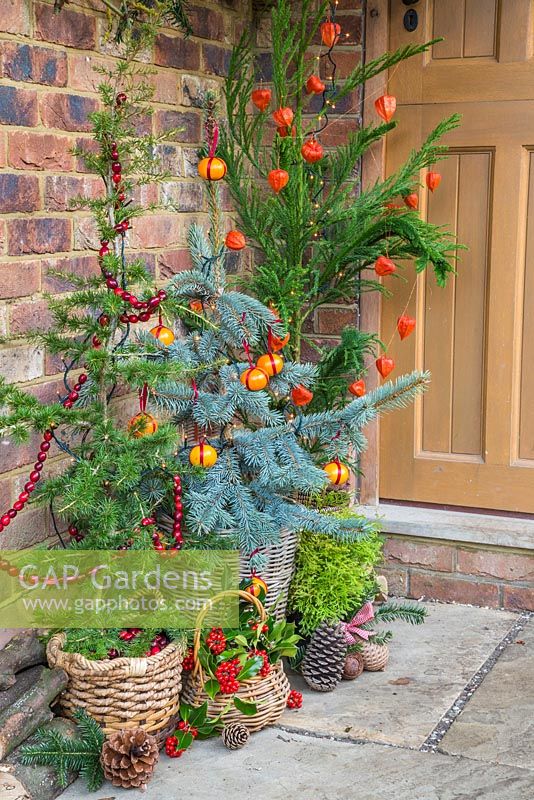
x: 202, y: 615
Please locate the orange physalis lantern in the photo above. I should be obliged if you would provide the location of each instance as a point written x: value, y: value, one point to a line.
x: 235, y: 240
x: 386, y: 106
x: 314, y: 85
x: 357, y: 388
x: 283, y: 116
x: 277, y: 178
x: 405, y: 325
x: 261, y: 98
x: 301, y: 396
x: 311, y: 150
x: 412, y: 200
x: 385, y: 365
x: 275, y: 343
x: 433, y: 180
x: 384, y: 266
x: 330, y: 32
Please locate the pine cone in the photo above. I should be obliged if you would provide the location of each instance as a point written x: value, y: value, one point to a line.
x: 235, y: 735
x: 324, y: 660
x: 353, y: 666
x: 375, y: 656
x: 129, y: 758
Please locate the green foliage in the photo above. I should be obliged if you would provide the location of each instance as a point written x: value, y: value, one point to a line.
x: 80, y: 754
x: 339, y: 366
x: 319, y: 237
x: 332, y: 577
x: 95, y: 644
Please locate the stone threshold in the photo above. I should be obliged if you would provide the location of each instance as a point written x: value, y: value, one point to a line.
x: 454, y: 526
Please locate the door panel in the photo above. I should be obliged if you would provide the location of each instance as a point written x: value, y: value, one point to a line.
x: 470, y: 440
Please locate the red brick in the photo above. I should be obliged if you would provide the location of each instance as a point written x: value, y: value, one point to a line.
x: 47, y: 392
x: 349, y: 103
x: 39, y: 151
x: 161, y: 231
x: 182, y: 196
x: 438, y: 587
x: 349, y: 5
x: 174, y: 51
x: 86, y: 236
x: 18, y: 364
x: 333, y: 320
x: 69, y: 27
x: 26, y: 317
x: 397, y: 579
x: 206, y: 23
x: 216, y: 59
x: 346, y: 61
x: 61, y: 190
x: 351, y: 29
x: 86, y: 145
x: 27, y: 529
x: 81, y: 266
x: 7, y: 495
x: 68, y: 112
x: 18, y: 106
x: 188, y: 123
x: 24, y: 62
x: 518, y: 597
x: 509, y: 567
x: 15, y: 17
x: 337, y: 129
x: 433, y: 556
x: 166, y: 87
x: 18, y: 193
x: 3, y: 236
x: 194, y: 88
x: 174, y: 261
x: 3, y: 149
x: 19, y: 278
x: 82, y: 74
x: 43, y: 235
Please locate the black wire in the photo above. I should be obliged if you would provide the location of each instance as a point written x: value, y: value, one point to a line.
x: 56, y: 527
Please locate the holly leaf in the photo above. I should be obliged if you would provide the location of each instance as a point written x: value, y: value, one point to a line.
x: 241, y: 640
x: 185, y: 740
x: 251, y: 668
x: 249, y: 709
x: 185, y: 711
x: 199, y: 715
x: 212, y: 688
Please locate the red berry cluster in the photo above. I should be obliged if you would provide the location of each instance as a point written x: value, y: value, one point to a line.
x: 216, y: 641
x: 35, y: 474
x: 159, y: 643
x: 146, y: 307
x: 256, y: 625
x: 266, y: 666
x: 226, y: 673
x: 129, y: 633
x: 189, y: 661
x: 295, y: 699
x: 171, y: 742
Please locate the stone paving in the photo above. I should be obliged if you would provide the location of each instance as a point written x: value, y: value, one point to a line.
x: 365, y: 741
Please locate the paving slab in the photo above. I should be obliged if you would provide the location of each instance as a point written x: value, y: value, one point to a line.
x: 438, y: 657
x: 497, y: 724
x: 276, y: 766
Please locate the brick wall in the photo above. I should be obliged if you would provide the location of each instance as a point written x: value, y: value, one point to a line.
x: 46, y: 92
x: 454, y: 572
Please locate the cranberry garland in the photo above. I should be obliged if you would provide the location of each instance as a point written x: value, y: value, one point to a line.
x: 35, y: 475
x: 178, y: 516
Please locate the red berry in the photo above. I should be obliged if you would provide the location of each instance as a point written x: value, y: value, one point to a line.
x: 295, y: 699
x: 116, y: 178
x: 47, y: 436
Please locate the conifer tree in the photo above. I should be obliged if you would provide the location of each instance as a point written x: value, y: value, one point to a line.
x: 247, y: 425
x: 118, y: 471
x: 319, y: 240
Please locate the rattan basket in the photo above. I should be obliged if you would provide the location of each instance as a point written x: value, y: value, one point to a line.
x: 122, y: 693
x: 269, y: 693
x: 277, y: 572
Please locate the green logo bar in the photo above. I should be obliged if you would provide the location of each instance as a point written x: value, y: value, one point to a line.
x: 110, y: 589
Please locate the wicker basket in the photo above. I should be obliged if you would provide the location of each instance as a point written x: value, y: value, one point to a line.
x: 122, y: 693
x: 277, y: 572
x: 375, y: 656
x: 269, y: 693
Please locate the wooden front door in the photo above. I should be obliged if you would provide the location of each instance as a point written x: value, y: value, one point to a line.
x: 470, y: 440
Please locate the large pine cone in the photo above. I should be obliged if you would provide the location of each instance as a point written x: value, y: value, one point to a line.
x: 129, y: 758
x: 235, y: 735
x: 324, y: 660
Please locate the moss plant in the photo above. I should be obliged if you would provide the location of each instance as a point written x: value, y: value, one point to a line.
x: 332, y: 578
